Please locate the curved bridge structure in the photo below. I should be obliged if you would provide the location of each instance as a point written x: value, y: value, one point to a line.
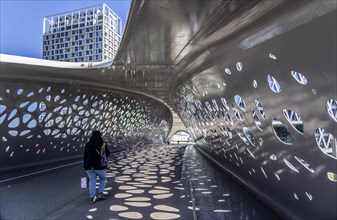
x: 253, y: 82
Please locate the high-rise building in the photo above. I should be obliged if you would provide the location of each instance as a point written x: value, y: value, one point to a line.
x: 85, y: 35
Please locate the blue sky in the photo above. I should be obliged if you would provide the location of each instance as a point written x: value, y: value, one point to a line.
x: 21, y: 22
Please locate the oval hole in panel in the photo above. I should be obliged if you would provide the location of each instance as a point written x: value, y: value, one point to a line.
x: 20, y: 91
x: 32, y: 124
x: 295, y: 120
x: 26, y: 117
x: 2, y: 118
x: 331, y: 107
x: 273, y: 84
x: 56, y: 131
x: 272, y: 56
x: 58, y: 119
x: 299, y: 77
x: 94, y: 104
x: 2, y: 108
x: 228, y: 71
x: 24, y: 132
x: 63, y: 101
x: 23, y: 104
x: 13, y: 133
x: 281, y: 132
x: 228, y: 118
x: 57, y: 98
x: 64, y: 110
x: 215, y: 104
x: 47, y: 131
x: 32, y: 107
x: 260, y: 108
x: 242, y: 137
x: 30, y: 94
x: 12, y: 114
x: 207, y: 105
x: 292, y: 167
x: 332, y: 176
x: 256, y: 120
x: 240, y: 102
x: 255, y: 83
x: 42, y: 106
x: 237, y: 113
x: 305, y: 164
x: 49, y: 123
x: 14, y: 123
x: 325, y: 141
x: 224, y: 102
x: 249, y: 135
x: 239, y: 66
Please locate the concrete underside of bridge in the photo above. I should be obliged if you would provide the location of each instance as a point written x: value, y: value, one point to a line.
x: 253, y: 82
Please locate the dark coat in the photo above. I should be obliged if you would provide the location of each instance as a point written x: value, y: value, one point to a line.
x: 92, y: 159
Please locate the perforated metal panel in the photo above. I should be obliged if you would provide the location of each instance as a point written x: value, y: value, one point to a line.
x: 44, y: 122
x: 267, y: 114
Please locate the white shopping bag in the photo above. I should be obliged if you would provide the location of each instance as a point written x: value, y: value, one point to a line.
x: 84, y: 182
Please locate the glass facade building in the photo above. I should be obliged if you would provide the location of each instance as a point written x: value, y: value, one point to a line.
x: 90, y: 34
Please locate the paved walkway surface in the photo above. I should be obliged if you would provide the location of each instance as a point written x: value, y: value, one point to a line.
x: 158, y: 182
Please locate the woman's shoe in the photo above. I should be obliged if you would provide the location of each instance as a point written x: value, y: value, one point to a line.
x: 101, y: 196
x: 93, y: 200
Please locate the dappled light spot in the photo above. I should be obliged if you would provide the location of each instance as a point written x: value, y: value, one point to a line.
x: 166, y: 208
x: 138, y: 175
x: 166, y: 179
x: 127, y: 187
x: 141, y: 179
x: 89, y: 216
x: 157, y: 191
x: 136, y: 191
x: 122, y: 195
x: 144, y: 185
x: 161, y: 187
x: 163, y: 196
x: 149, y: 181
x: 93, y: 210
x: 164, y: 215
x: 138, y: 199
x: 118, y: 208
x: 180, y: 188
x: 138, y: 204
x: 131, y: 215
x: 150, y: 177
x: 191, y: 208
x: 200, y: 189
x: 110, y: 174
x: 221, y: 210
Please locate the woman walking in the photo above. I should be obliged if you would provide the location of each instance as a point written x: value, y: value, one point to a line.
x: 95, y: 164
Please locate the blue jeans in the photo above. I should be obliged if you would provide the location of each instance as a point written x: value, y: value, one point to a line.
x: 92, y: 181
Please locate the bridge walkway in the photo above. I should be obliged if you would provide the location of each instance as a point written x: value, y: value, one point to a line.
x: 157, y: 182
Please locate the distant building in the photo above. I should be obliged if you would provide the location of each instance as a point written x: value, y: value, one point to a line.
x: 85, y: 35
